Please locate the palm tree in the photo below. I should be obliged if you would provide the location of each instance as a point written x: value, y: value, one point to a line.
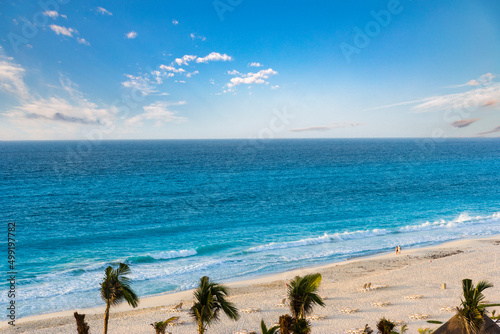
x: 385, y: 326
x: 209, y: 300
x: 161, y: 326
x: 265, y: 330
x: 302, y: 292
x: 115, y: 288
x: 472, y: 309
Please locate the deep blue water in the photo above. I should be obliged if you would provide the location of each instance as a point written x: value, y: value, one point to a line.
x: 178, y: 210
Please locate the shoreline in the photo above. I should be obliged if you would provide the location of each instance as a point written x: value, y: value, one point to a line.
x: 168, y: 299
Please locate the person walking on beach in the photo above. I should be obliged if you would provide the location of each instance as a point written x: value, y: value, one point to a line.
x: 397, y: 250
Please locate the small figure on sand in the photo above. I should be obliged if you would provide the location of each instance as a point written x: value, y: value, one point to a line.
x: 397, y: 250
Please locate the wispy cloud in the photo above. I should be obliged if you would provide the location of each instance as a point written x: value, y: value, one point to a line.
x: 464, y: 122
x: 131, y: 35
x: 175, y: 22
x: 75, y: 109
x: 495, y: 130
x: 11, y: 77
x: 59, y: 30
x: 329, y: 127
x: 252, y: 78
x: 195, y: 36
x: 474, y: 98
x: 484, y: 79
x: 141, y: 83
x: 159, y: 112
x: 255, y: 64
x: 483, y: 92
x: 104, y: 11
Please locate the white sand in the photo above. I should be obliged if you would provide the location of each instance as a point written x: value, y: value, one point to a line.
x: 419, y: 271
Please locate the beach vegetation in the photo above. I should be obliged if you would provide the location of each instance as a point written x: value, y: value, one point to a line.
x: 286, y: 324
x: 271, y: 330
x: 303, y: 295
x: 424, y: 331
x: 209, y: 300
x: 385, y: 326
x: 161, y: 326
x: 367, y: 330
x: 472, y: 309
x: 81, y: 326
x: 115, y: 288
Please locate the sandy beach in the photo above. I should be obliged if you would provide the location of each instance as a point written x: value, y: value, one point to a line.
x: 419, y: 271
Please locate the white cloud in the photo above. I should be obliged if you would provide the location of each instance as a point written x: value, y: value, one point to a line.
x: 214, y: 56
x: 252, y: 78
x: 103, y: 11
x: 51, y: 13
x: 189, y: 75
x: 159, y: 112
x: 131, y: 35
x: 62, y: 30
x: 11, y: 77
x: 194, y: 36
x: 82, y: 41
x: 171, y: 69
x: 275, y: 87
x: 233, y: 72
x: 255, y: 64
x: 175, y: 22
x: 185, y: 60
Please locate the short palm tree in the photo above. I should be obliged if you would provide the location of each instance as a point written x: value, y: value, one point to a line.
x: 265, y: 330
x: 161, y: 326
x: 385, y: 326
x: 302, y: 292
x: 472, y: 309
x: 209, y: 300
x: 115, y: 288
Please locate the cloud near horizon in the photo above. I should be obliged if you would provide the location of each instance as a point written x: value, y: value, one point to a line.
x: 495, y: 130
x: 464, y: 122
x: 159, y: 112
x: 483, y: 92
x: 335, y: 125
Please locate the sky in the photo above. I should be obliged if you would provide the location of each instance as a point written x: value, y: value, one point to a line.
x: 94, y: 70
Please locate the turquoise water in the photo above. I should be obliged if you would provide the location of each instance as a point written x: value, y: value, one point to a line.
x: 230, y: 209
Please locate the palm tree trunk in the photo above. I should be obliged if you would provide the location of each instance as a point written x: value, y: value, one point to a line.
x: 201, y: 328
x: 106, y: 318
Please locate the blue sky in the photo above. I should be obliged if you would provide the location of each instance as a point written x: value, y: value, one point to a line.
x: 248, y: 69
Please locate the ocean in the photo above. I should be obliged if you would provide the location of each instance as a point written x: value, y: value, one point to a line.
x: 176, y: 210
